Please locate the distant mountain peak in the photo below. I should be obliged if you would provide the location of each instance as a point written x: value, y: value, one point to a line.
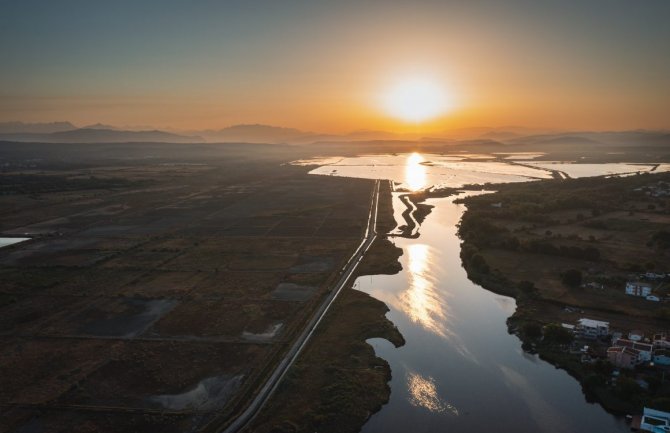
x: 254, y: 133
x: 101, y: 126
x: 18, y: 127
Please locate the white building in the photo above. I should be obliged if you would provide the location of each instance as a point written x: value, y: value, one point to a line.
x: 637, y: 288
x: 590, y: 328
x: 655, y: 421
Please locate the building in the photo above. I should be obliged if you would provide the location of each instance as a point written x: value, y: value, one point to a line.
x: 638, y: 288
x: 655, y: 421
x: 568, y: 326
x: 660, y: 341
x: 644, y: 348
x: 654, y: 276
x: 623, y: 357
x: 661, y: 357
x: 589, y: 328
x: 636, y: 335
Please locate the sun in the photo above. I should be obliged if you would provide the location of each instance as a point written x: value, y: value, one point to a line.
x: 415, y: 100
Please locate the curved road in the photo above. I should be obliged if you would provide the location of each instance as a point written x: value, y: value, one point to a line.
x: 345, y: 274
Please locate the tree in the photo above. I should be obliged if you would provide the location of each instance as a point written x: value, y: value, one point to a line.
x: 627, y: 388
x: 527, y: 288
x: 512, y: 243
x: 555, y: 333
x: 661, y: 239
x: 532, y: 330
x: 661, y: 403
x: 479, y: 264
x: 572, y: 278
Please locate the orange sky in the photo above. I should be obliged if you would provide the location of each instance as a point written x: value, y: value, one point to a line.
x: 325, y: 66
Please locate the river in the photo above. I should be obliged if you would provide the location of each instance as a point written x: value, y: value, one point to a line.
x: 460, y: 370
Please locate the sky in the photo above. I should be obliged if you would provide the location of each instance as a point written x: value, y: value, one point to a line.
x: 327, y: 65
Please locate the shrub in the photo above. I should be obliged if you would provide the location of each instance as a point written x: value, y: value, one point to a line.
x: 627, y: 388
x: 527, y: 288
x: 555, y: 333
x: 572, y: 278
x: 661, y: 239
x: 532, y: 330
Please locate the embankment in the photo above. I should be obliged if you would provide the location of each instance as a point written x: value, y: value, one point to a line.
x: 338, y: 382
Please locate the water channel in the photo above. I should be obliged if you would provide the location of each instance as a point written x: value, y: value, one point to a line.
x: 460, y: 370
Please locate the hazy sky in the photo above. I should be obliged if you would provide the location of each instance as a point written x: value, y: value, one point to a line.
x: 596, y: 64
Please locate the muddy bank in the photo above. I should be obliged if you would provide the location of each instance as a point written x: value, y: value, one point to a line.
x: 338, y: 382
x: 417, y: 210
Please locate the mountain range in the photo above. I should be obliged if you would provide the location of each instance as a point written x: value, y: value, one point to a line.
x: 66, y: 132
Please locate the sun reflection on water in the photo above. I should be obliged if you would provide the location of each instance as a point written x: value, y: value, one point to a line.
x: 421, y: 301
x: 415, y: 172
x: 423, y: 393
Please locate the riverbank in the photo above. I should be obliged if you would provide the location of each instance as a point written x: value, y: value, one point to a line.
x: 416, y: 208
x: 338, y: 382
x: 523, y: 240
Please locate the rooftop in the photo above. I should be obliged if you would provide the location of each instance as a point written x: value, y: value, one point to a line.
x: 593, y: 323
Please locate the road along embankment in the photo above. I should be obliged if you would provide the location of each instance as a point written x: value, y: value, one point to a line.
x: 338, y: 382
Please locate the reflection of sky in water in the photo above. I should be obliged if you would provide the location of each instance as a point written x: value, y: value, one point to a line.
x: 9, y: 241
x: 586, y: 170
x: 452, y: 171
x: 539, y: 408
x: 415, y: 172
x: 458, y: 347
x: 423, y: 393
x: 421, y: 301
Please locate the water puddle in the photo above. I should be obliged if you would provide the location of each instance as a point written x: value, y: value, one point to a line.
x: 210, y: 394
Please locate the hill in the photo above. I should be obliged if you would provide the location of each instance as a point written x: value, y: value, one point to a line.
x: 87, y: 135
x: 34, y: 128
x: 254, y: 134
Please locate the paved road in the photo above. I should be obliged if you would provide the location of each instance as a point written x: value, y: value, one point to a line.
x: 345, y: 274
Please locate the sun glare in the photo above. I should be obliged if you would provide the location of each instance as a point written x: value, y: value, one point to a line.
x: 416, y: 100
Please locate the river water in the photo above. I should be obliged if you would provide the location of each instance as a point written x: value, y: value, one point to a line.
x: 460, y: 371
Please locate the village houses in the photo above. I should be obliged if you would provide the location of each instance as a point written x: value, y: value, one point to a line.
x: 638, y: 288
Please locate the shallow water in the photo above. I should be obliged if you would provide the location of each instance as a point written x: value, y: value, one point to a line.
x: 267, y: 335
x: 4, y: 242
x: 460, y: 370
x: 208, y: 394
x: 416, y: 171
x: 587, y: 170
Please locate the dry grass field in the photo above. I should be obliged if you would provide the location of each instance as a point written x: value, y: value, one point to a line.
x: 603, y: 228
x: 160, y: 283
